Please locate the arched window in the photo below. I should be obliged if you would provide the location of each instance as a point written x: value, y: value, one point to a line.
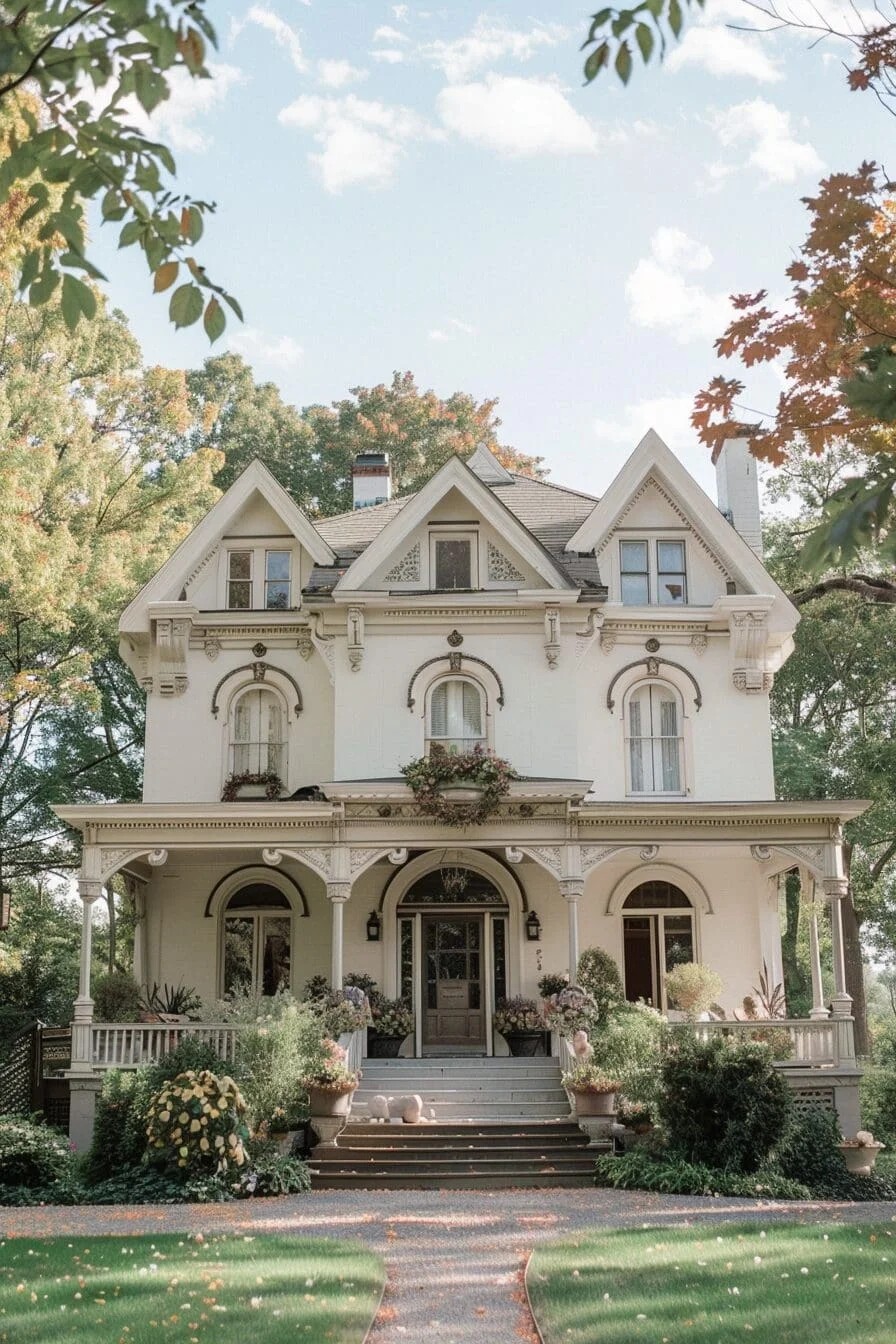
x: 657, y: 936
x: 257, y: 940
x: 456, y: 716
x: 654, y: 740
x: 258, y: 734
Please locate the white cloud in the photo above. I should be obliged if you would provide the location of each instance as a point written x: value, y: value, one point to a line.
x: 670, y: 417
x: 662, y: 299
x: 280, y: 30
x: 175, y: 120
x: 336, y: 74
x: 387, y: 56
x: 400, y: 12
x: 361, y: 141
x: 765, y: 131
x: 487, y: 42
x: 254, y: 345
x: 452, y: 329
x: 516, y: 117
x: 387, y: 34
x: 724, y: 54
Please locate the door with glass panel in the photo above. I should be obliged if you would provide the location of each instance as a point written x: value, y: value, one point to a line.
x: 655, y: 939
x: 452, y: 990
x: 257, y: 933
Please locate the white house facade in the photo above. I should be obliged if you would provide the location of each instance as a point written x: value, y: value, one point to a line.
x: 619, y: 653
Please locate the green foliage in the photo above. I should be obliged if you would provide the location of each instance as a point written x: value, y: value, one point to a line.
x: 32, y: 1155
x: 598, y: 975
x: 614, y: 33
x: 588, y: 1077
x: 196, y: 1124
x: 570, y: 1011
x: 38, y: 960
x: 429, y: 775
x: 552, y: 983
x: 640, y: 1169
x: 391, y: 1017
x: 693, y: 988
x: 722, y: 1105
x: 80, y: 66
x: 630, y: 1046
x: 180, y: 999
x: 116, y: 998
x: 273, y: 1173
x: 807, y: 1151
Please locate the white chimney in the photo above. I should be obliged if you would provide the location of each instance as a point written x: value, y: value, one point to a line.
x: 737, y: 482
x: 371, y: 480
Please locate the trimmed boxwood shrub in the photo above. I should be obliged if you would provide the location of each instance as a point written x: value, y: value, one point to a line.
x: 32, y: 1155
x: 722, y: 1104
x: 808, y: 1152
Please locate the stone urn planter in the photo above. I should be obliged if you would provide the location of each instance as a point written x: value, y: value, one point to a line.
x: 594, y: 1103
x: 523, y: 1042
x: 860, y: 1156
x: 383, y: 1046
x: 326, y: 1101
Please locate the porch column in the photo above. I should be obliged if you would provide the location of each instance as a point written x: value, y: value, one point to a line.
x: 337, y: 894
x: 835, y: 889
x: 571, y: 889
x: 90, y: 891
x: 818, y: 1010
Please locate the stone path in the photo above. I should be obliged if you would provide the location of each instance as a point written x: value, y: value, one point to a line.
x: 455, y: 1258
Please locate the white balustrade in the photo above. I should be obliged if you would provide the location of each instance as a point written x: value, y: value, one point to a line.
x: 117, y: 1045
x: 818, y: 1044
x: 353, y: 1043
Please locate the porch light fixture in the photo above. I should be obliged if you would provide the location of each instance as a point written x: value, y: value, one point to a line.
x: 374, y: 924
x: 533, y: 927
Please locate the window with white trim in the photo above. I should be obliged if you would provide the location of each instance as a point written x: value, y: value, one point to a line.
x: 453, y: 560
x: 456, y: 716
x: 653, y: 575
x: 259, y: 579
x: 657, y: 936
x: 257, y: 941
x: 258, y: 733
x: 654, y: 742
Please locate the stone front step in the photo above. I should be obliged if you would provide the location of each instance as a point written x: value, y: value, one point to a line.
x: 469, y: 1088
x: 452, y: 1156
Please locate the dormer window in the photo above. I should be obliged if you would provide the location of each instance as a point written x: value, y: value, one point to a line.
x: 659, y: 578
x: 259, y: 579
x: 452, y: 562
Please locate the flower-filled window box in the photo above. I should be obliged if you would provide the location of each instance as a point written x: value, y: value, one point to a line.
x: 459, y: 788
x: 248, y: 785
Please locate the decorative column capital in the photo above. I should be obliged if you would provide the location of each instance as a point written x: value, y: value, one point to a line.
x: 339, y: 892
x: 835, y: 888
x: 571, y: 888
x: 90, y: 889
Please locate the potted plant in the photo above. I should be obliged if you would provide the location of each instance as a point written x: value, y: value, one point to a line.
x: 521, y: 1024
x: 330, y: 1084
x: 459, y: 788
x: 693, y: 989
x: 637, y: 1120
x: 593, y: 1092
x: 551, y: 984
x: 860, y: 1153
x: 252, y: 785
x: 570, y: 1011
x: 392, y: 1023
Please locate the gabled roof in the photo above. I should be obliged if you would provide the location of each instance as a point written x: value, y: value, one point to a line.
x: 168, y: 581
x: 454, y: 475
x: 653, y: 459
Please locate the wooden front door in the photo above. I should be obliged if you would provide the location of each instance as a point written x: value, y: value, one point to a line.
x: 453, y: 992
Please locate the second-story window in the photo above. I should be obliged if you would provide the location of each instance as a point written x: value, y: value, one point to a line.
x: 653, y: 721
x: 671, y: 580
x: 652, y: 573
x: 258, y: 743
x: 634, y: 573
x: 259, y: 579
x: 456, y: 716
x: 239, y: 580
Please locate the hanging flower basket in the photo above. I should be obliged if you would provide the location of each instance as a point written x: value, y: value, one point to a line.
x: 268, y: 785
x: 462, y: 789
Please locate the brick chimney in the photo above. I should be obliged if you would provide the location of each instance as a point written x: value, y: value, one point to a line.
x: 371, y: 480
x: 737, y: 482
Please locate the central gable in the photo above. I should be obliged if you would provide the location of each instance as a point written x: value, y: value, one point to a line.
x: 454, y: 535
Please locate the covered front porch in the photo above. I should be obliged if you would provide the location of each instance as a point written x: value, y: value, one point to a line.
x: 274, y: 893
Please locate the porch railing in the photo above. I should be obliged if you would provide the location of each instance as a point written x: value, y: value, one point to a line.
x: 826, y: 1043
x: 117, y: 1045
x: 355, y: 1047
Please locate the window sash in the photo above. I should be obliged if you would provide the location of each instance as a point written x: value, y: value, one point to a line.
x: 453, y: 563
x: 239, y: 580
x: 258, y: 739
x: 277, y: 580
x: 455, y: 716
x: 655, y: 742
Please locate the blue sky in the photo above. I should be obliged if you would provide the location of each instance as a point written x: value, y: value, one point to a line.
x: 433, y: 189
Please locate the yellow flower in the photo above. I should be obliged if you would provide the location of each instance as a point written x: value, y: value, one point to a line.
x: 195, y: 1126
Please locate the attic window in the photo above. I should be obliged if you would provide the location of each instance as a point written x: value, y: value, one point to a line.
x: 453, y: 562
x: 239, y: 580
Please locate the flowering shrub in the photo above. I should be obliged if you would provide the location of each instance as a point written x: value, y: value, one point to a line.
x: 278, y: 1038
x: 517, y: 1014
x: 588, y: 1078
x: 635, y: 1115
x: 196, y: 1123
x: 570, y: 1011
x: 345, y: 1010
x: 31, y: 1155
x: 391, y: 1017
x: 693, y: 988
x: 329, y: 1072
x: 428, y: 775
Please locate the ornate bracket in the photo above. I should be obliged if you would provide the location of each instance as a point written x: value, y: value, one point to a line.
x: 652, y: 666
x: 552, y: 636
x: 591, y: 631
x: 355, y: 637
x: 749, y: 632
x: 318, y: 859
x: 325, y: 645
x: 455, y: 660
x: 259, y: 670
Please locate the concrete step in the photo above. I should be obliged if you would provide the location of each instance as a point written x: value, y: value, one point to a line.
x: 518, y: 1181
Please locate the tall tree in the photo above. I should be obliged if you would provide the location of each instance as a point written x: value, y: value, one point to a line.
x: 311, y: 451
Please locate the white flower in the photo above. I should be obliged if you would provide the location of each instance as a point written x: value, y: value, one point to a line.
x: 255, y: 1302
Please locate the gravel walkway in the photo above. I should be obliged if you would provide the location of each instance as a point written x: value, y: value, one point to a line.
x: 455, y: 1258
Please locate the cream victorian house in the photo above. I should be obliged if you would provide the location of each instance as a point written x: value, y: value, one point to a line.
x: 617, y: 652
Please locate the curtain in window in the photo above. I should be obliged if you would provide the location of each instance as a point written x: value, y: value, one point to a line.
x: 242, y: 736
x: 271, y: 710
x: 258, y: 734
x: 439, y: 711
x: 472, y: 710
x: 455, y: 715
x: 669, y: 747
x: 654, y: 742
x: 636, y: 745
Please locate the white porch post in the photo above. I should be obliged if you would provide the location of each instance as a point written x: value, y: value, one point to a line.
x: 835, y: 889
x: 571, y: 889
x: 90, y: 891
x: 337, y: 894
x: 818, y: 1009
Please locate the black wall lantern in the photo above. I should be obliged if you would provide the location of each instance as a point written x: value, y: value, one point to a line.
x: 533, y: 927
x: 374, y: 924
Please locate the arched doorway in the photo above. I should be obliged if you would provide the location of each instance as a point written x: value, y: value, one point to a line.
x: 657, y: 935
x: 455, y: 919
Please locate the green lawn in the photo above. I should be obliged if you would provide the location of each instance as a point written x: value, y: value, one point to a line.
x: 783, y: 1284
x: 146, y: 1290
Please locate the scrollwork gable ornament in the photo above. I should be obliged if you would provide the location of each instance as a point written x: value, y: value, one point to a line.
x: 500, y: 568
x: 407, y: 570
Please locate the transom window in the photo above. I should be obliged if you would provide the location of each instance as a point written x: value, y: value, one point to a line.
x: 456, y: 716
x: 663, y: 582
x: 273, y: 591
x: 654, y: 740
x: 258, y: 742
x: 257, y: 940
x: 655, y: 943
